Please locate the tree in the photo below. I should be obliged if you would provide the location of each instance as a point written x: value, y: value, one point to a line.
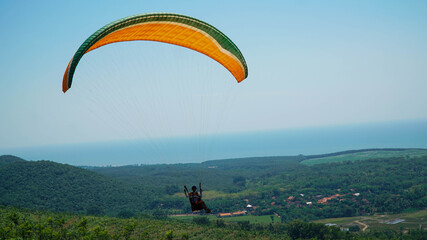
x: 201, y: 220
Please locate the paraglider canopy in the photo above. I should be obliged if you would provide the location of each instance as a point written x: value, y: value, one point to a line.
x: 170, y: 28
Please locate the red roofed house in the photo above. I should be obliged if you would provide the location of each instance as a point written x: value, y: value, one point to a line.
x: 325, y: 199
x: 238, y: 213
x: 224, y: 215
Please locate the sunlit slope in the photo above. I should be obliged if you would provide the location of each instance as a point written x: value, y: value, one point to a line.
x: 396, y: 222
x: 360, y: 155
x: 27, y: 224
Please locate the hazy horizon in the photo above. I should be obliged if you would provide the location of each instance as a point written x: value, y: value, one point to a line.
x: 291, y: 142
x: 311, y: 64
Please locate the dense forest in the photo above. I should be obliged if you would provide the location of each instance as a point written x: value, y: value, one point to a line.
x: 284, y: 186
x: 261, y: 186
x: 59, y: 187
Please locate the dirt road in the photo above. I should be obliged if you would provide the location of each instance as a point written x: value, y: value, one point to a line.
x: 361, y: 223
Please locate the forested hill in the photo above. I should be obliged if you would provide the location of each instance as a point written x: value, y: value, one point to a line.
x: 364, y: 154
x: 6, y: 159
x: 235, y: 175
x: 60, y: 187
x: 396, y: 150
x: 224, y: 175
x: 340, y: 185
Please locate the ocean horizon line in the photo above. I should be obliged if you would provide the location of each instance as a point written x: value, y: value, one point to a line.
x: 287, y: 142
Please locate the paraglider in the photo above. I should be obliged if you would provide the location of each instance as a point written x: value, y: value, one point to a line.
x: 173, y: 29
x: 169, y: 28
x: 195, y: 198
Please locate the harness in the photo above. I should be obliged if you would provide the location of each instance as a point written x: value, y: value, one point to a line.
x: 194, y: 197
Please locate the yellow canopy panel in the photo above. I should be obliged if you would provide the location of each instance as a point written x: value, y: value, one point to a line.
x: 168, y: 28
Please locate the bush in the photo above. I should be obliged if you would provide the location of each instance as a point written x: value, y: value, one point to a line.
x: 169, y: 234
x: 354, y: 228
x: 201, y: 220
x: 220, y: 223
x: 125, y: 214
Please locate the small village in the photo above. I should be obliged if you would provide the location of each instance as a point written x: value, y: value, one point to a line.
x: 296, y: 201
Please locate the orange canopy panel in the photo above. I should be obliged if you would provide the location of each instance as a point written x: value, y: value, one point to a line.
x: 168, y: 28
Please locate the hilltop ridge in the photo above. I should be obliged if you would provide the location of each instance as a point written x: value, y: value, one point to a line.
x: 6, y: 159
x: 61, y: 187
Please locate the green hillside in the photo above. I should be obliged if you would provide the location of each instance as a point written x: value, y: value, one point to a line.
x: 24, y: 224
x: 60, y: 187
x: 6, y: 159
x: 362, y: 155
x: 272, y: 185
x: 30, y: 224
x: 285, y: 186
x: 226, y: 175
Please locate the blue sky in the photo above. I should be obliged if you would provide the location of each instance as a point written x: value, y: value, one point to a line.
x: 311, y: 64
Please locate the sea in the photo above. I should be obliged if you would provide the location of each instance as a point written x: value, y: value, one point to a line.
x: 196, y: 149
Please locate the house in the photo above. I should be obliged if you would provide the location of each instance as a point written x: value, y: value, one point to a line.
x: 238, y: 213
x: 233, y: 214
x: 224, y: 215
x: 325, y: 199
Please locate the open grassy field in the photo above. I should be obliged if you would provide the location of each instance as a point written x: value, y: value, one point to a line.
x: 401, y: 221
x: 366, y: 155
x: 254, y: 219
x: 250, y: 218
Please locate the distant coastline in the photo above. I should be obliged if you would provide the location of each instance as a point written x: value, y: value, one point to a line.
x: 307, y: 141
